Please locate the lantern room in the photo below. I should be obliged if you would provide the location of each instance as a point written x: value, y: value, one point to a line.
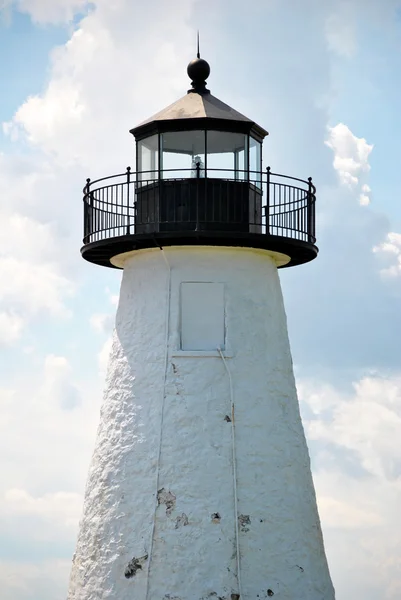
x: 199, y: 179
x: 199, y: 133
x: 190, y: 152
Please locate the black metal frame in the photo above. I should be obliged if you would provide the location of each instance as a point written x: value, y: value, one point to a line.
x: 123, y: 213
x: 190, y: 124
x: 160, y: 134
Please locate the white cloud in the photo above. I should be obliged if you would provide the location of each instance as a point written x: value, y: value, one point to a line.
x: 368, y: 422
x: 26, y: 238
x: 45, y: 452
x: 63, y: 508
x: 42, y: 580
x: 319, y: 397
x: 57, y: 383
x: 390, y: 253
x: 354, y: 440
x: 364, y: 200
x: 39, y: 118
x: 102, y: 322
x: 11, y: 326
x: 337, y: 513
x: 347, y: 18
x: 49, y: 11
x: 103, y: 357
x: 48, y: 422
x: 83, y: 102
x: 340, y: 31
x: 351, y: 154
x: 112, y: 297
x: 32, y: 279
x: 32, y: 288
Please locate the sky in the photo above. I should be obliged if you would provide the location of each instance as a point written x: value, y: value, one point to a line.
x: 323, y: 78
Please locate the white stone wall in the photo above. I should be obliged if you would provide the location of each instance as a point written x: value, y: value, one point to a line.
x: 160, y: 520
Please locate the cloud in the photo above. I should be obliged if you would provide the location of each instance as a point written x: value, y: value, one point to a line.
x: 63, y: 508
x: 340, y: 31
x: 45, y: 579
x: 346, y: 21
x: 32, y: 288
x: 389, y: 252
x: 48, y: 422
x: 103, y: 357
x: 46, y: 439
x: 358, y: 506
x: 57, y: 385
x: 49, y: 11
x: 368, y: 422
x: 112, y: 297
x: 364, y: 199
x: 64, y: 121
x: 10, y: 328
x: 351, y: 154
x: 102, y: 322
x: 336, y: 512
x: 353, y: 319
x: 40, y: 117
x: 27, y: 238
x: 32, y: 263
x: 31, y: 258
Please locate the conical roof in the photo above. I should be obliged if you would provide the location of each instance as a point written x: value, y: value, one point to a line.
x: 198, y: 109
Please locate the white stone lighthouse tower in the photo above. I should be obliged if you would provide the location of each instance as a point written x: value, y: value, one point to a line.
x: 200, y: 484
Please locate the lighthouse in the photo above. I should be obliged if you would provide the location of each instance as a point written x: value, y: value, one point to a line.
x: 200, y: 485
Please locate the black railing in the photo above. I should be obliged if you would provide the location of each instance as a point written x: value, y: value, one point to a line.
x: 184, y: 200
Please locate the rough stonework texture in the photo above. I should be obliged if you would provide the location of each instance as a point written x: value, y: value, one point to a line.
x: 160, y: 519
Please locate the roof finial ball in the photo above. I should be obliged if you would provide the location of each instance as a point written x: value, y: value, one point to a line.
x: 198, y: 71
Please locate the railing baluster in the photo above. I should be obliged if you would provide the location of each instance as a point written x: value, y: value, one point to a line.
x: 87, y: 211
x: 128, y: 198
x: 267, y: 208
x: 309, y: 211
x: 197, y: 195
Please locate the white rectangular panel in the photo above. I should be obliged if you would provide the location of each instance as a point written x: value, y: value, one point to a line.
x: 202, y: 316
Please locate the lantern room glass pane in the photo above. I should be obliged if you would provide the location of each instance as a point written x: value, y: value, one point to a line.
x: 148, y: 158
x: 241, y: 163
x: 180, y: 153
x: 255, y: 162
x: 226, y: 155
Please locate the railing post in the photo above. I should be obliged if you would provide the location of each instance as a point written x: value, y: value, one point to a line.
x: 128, y: 205
x: 310, y: 219
x: 267, y: 208
x: 197, y: 195
x: 87, y: 209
